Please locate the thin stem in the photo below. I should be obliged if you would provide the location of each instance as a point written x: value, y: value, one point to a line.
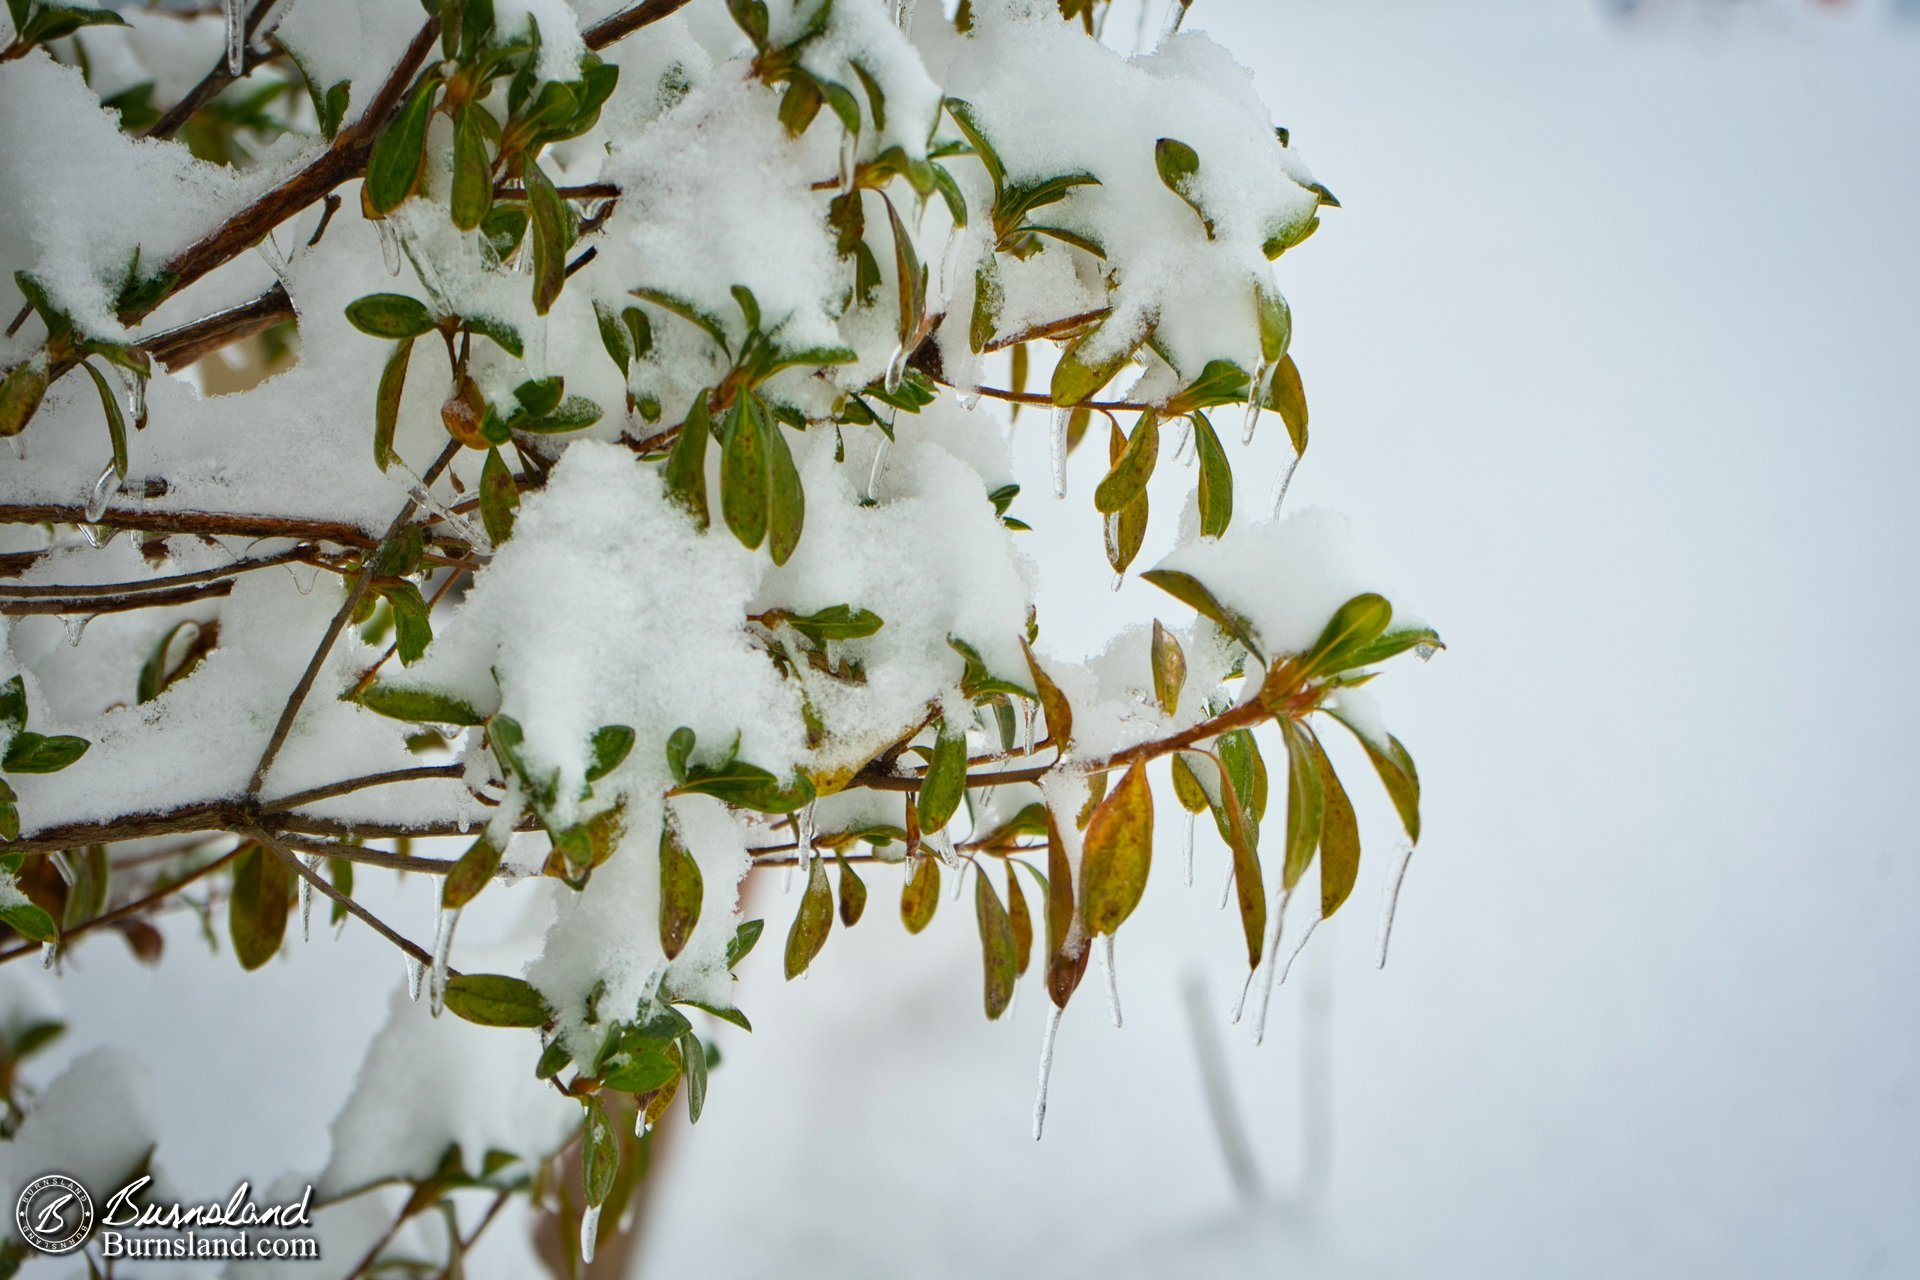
x: 130, y: 909
x: 368, y: 857
x: 160, y: 584
x: 347, y: 786
x: 325, y: 886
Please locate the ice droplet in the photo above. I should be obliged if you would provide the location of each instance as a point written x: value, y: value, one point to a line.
x: 415, y: 970
x: 803, y: 844
x: 969, y: 400
x: 442, y: 946
x: 903, y: 14
x: 463, y: 812
x: 137, y: 400
x: 269, y: 250
x: 236, y: 38
x: 48, y: 950
x: 1186, y: 859
x: 102, y: 493
x: 63, y: 865
x: 1226, y: 888
x: 304, y: 576
x: 1256, y: 392
x: 1270, y: 963
x: 76, y: 626
x: 1113, y: 980
x: 849, y: 150
x: 589, y: 1232
x: 1058, y: 446
x: 1182, y: 435
x: 896, y: 367
x: 1424, y: 652
x: 1046, y: 1070
x: 641, y: 1125
x: 1119, y: 580
x: 311, y: 862
x: 389, y: 246
x: 1026, y: 728
x: 1389, y: 903
x: 940, y: 844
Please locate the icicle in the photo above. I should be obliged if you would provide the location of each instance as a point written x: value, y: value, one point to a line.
x: 463, y: 812
x: 1176, y: 14
x: 1226, y: 889
x: 63, y: 865
x: 1061, y: 417
x: 1270, y: 962
x: 1389, y: 902
x: 48, y: 950
x: 641, y: 1125
x: 803, y: 853
x: 312, y: 863
x: 1182, y: 436
x: 1240, y: 1005
x: 442, y: 947
x: 878, y: 469
x: 1298, y: 947
x: 19, y: 446
x: 414, y: 972
x: 236, y: 38
x: 903, y: 14
x: 1424, y: 652
x: 849, y: 153
x: 137, y: 400
x: 99, y: 535
x: 1186, y: 860
x: 949, y: 259
x: 1026, y: 728
x: 1046, y: 1070
x: 1286, y: 479
x: 389, y: 246
x: 103, y: 492
x: 269, y: 250
x: 589, y: 1230
x: 1256, y: 392
x: 1119, y: 580
x: 896, y: 367
x: 1113, y: 980
x: 969, y: 400
x: 940, y: 844
x: 76, y: 626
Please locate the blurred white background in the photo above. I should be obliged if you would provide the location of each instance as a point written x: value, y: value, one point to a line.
x: 1612, y: 358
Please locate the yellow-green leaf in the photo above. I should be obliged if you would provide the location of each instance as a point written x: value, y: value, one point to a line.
x: 1128, y: 478
x: 496, y: 1000
x: 257, y: 911
x: 470, y: 874
x: 386, y: 402
x: 811, y: 923
x: 1286, y: 397
x: 998, y: 949
x: 1339, y: 836
x: 1216, y: 479
x: 1306, y: 804
x: 1022, y: 920
x: 680, y: 892
x: 1169, y: 669
x: 745, y: 474
x: 946, y: 779
x: 921, y: 894
x: 1118, y: 853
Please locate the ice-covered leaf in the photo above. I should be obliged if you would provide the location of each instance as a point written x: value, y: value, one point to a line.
x: 1118, y: 853
x: 921, y: 894
x: 811, y: 923
x: 999, y: 952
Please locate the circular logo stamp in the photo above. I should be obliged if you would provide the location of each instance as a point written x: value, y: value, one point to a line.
x: 54, y: 1214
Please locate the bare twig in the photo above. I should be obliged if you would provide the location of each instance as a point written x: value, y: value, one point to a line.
x: 348, y: 785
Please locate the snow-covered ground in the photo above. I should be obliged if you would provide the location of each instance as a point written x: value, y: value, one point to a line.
x: 1611, y: 356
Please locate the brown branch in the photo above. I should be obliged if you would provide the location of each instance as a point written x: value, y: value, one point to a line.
x: 179, y: 347
x: 348, y: 829
x: 116, y: 604
x: 130, y: 909
x: 158, y: 584
x: 383, y: 858
x: 624, y: 23
x: 216, y: 80
x: 213, y: 523
x: 202, y: 815
x: 347, y: 786
x: 361, y: 585
x: 1036, y: 397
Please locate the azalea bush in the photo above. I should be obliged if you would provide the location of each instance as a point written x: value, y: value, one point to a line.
x: 630, y: 509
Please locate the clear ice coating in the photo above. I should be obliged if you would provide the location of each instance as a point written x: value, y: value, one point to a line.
x: 1046, y: 1070
x: 1256, y: 392
x: 442, y: 948
x: 1389, y: 903
x: 1286, y: 479
x: 76, y: 626
x: 415, y: 970
x: 1057, y: 446
x: 849, y: 152
x: 1276, y: 974
x: 903, y: 14
x: 236, y: 38
x: 48, y: 950
x: 1186, y: 859
x: 311, y: 862
x: 102, y: 493
x: 63, y: 865
x: 874, y: 473
x: 389, y: 246
x: 803, y: 841
x: 896, y: 367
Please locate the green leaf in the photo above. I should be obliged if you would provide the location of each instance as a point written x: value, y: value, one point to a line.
x: 1276, y: 321
x: 910, y: 275
x: 499, y: 332
x: 680, y: 892
x: 609, y: 746
x: 1216, y: 479
x: 685, y: 473
x: 257, y: 909
x: 600, y: 1152
x: 51, y: 21
x: 688, y: 312
x: 20, y: 396
x: 502, y: 228
x: 745, y: 474
x: 499, y: 498
x: 421, y: 706
x: 1169, y: 668
x: 413, y: 630
x: 386, y: 402
x: 999, y: 953
x: 786, y: 499
x: 1117, y: 854
x: 1188, y: 589
x: 679, y: 750
x: 1179, y: 166
x: 853, y: 893
x: 472, y: 196
x: 1187, y: 788
x: 1394, y: 764
x: 1306, y: 804
x: 1286, y: 397
x: 946, y: 779
x: 1021, y: 921
x: 28, y: 921
x: 1389, y: 644
x: 811, y: 924
x: 552, y: 230
x: 1127, y: 479
x: 614, y: 335
x: 1339, y: 836
x: 399, y: 153
x: 116, y: 422
x: 742, y: 941
x: 800, y: 104
x: 747, y: 786
x: 1077, y: 377
x: 1354, y: 627
x: 1230, y: 814
x: 472, y: 873
x: 693, y: 1059
x: 38, y: 753
x: 496, y: 1000
x: 835, y: 622
x: 572, y: 414
x: 920, y: 896
x: 964, y: 116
